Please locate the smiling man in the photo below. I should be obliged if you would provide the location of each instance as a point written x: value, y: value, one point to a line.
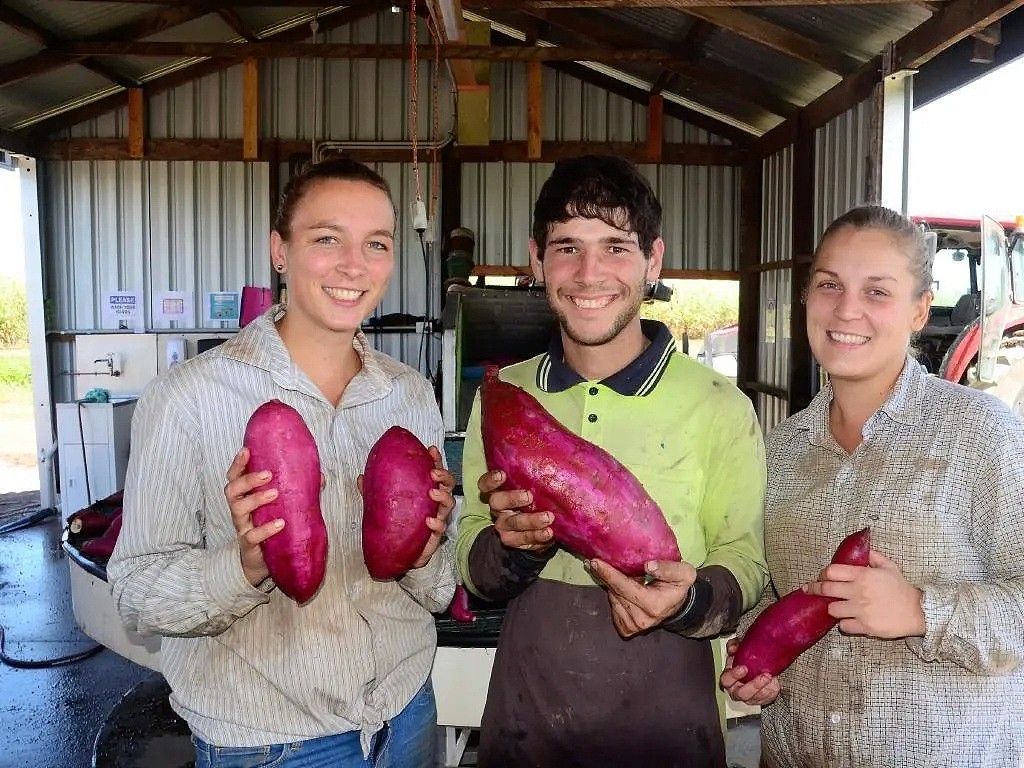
x: 594, y: 668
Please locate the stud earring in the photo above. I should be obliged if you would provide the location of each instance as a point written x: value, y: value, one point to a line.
x: 279, y: 267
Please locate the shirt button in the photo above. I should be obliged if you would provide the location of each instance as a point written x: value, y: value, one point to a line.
x: 593, y: 390
x: 592, y: 418
x: 836, y: 718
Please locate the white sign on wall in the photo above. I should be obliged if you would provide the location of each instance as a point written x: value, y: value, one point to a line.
x: 173, y: 305
x: 123, y: 310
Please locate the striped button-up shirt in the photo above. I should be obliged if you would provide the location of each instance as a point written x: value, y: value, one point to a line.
x: 939, y: 477
x: 248, y: 666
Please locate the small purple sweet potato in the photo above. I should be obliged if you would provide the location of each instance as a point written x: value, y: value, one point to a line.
x: 797, y: 621
x: 459, y: 609
x: 280, y: 442
x: 102, y: 547
x: 601, y: 510
x: 396, y: 503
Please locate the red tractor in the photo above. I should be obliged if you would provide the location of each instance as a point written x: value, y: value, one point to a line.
x: 975, y: 332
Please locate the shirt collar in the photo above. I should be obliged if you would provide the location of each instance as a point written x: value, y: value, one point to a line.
x: 903, y: 405
x: 259, y: 344
x: 637, y: 379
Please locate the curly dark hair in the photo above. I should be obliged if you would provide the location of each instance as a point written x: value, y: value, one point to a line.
x: 334, y: 168
x: 598, y: 187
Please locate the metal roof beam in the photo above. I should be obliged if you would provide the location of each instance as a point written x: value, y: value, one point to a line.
x: 680, y: 4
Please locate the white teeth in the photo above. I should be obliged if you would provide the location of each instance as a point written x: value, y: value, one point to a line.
x: 600, y: 303
x: 342, y: 294
x: 848, y: 338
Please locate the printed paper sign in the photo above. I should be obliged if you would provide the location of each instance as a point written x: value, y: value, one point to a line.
x: 122, y: 310
x: 173, y: 305
x: 222, y: 306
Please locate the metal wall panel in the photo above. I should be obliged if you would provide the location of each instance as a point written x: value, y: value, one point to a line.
x: 842, y: 149
x: 775, y: 289
x: 700, y: 212
x: 151, y: 226
x: 771, y: 411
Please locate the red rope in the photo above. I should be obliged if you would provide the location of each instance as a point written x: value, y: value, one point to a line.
x: 414, y: 77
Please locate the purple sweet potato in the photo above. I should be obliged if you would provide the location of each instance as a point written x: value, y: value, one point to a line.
x: 396, y: 503
x: 797, y: 621
x: 280, y: 442
x: 459, y: 609
x: 601, y: 510
x: 89, y: 522
x: 102, y: 547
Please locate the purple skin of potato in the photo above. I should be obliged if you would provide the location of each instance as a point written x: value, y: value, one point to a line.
x: 280, y: 442
x: 601, y: 510
x: 396, y: 503
x: 797, y: 621
x: 459, y: 609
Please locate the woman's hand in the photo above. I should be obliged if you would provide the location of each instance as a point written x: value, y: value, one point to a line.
x: 876, y: 601
x: 244, y: 495
x: 759, y: 691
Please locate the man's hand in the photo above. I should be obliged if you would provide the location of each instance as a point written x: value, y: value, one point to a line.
x: 637, y: 607
x: 876, y: 601
x: 243, y: 495
x: 759, y: 691
x: 520, y: 530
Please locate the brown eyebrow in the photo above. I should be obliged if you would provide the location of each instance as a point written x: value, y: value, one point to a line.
x: 336, y: 228
x: 872, y: 278
x: 612, y: 240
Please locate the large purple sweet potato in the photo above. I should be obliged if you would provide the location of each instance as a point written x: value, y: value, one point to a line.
x: 280, y: 442
x: 396, y: 503
x: 797, y: 621
x: 601, y: 510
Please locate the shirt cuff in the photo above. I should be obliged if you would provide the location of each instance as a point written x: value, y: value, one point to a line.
x: 937, y: 603
x: 225, y: 582
x: 694, y: 609
x: 426, y: 577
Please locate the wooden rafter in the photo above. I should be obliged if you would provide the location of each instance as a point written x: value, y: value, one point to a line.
x: 232, y: 19
x: 39, y: 34
x: 56, y: 56
x: 778, y: 38
x: 736, y: 84
x: 496, y: 151
x: 358, y: 9
x: 949, y: 26
x: 269, y: 49
x: 680, y: 4
x: 956, y: 21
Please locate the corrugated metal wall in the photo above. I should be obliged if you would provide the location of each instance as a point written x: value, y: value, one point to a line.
x: 776, y: 293
x: 842, y: 149
x: 151, y: 226
x: 700, y: 206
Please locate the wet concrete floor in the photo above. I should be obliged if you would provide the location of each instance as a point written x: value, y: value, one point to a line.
x: 59, y: 717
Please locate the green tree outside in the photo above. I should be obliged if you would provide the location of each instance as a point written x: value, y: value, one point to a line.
x: 13, y: 314
x: 697, y: 307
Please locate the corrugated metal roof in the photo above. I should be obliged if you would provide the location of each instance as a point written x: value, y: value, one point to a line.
x: 856, y: 31
x: 76, y: 20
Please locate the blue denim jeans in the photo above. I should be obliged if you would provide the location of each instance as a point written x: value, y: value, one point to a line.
x: 408, y: 740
